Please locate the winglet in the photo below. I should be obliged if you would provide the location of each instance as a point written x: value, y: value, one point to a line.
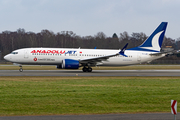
x: 122, y: 50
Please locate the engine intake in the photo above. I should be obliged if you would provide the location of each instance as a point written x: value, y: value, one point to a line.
x: 70, y: 64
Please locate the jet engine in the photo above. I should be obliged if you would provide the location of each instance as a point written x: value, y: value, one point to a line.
x: 69, y: 64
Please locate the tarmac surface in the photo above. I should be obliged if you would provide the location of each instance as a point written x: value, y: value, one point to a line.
x: 93, y: 73
x: 146, y: 116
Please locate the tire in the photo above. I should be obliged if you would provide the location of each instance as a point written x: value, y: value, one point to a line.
x: 20, y: 70
x: 89, y: 69
x: 84, y: 69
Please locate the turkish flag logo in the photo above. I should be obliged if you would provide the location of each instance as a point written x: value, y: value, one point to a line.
x: 35, y: 59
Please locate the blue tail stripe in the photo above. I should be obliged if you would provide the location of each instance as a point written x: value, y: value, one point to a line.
x: 142, y: 49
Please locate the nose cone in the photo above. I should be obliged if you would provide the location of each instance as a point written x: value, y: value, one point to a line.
x: 7, y: 57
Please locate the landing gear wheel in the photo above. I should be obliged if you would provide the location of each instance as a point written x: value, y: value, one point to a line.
x: 84, y: 69
x: 20, y: 70
x: 89, y: 69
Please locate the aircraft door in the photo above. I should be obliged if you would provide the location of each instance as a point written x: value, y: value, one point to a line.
x: 139, y: 57
x: 26, y: 54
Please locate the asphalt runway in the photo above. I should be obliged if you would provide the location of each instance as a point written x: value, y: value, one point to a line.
x: 93, y: 73
x: 146, y: 116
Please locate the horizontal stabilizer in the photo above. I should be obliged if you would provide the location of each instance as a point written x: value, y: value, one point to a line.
x: 166, y: 53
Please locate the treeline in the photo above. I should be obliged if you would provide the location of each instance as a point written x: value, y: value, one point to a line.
x: 10, y: 41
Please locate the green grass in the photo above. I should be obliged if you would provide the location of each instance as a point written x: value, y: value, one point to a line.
x: 86, y: 95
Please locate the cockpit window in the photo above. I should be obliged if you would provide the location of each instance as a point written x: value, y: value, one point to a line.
x: 14, y: 53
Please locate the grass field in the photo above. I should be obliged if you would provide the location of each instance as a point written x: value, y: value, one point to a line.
x: 86, y: 95
x: 136, y: 67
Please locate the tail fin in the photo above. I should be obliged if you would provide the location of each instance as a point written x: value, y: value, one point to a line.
x: 154, y: 41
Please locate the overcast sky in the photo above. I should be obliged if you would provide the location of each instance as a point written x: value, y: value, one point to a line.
x: 87, y: 17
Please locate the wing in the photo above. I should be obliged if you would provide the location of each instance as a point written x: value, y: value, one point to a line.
x: 95, y: 60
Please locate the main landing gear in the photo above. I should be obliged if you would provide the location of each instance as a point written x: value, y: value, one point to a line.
x: 87, y: 69
x: 20, y: 69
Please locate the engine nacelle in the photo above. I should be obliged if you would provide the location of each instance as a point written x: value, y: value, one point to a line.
x: 70, y: 64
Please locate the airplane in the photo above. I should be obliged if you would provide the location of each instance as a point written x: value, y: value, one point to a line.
x: 68, y: 58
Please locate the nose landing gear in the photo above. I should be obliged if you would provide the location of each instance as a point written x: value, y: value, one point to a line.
x: 20, y: 69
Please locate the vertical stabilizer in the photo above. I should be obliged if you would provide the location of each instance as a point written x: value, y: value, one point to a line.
x: 154, y: 41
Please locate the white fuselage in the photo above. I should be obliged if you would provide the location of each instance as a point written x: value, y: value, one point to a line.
x: 54, y: 56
